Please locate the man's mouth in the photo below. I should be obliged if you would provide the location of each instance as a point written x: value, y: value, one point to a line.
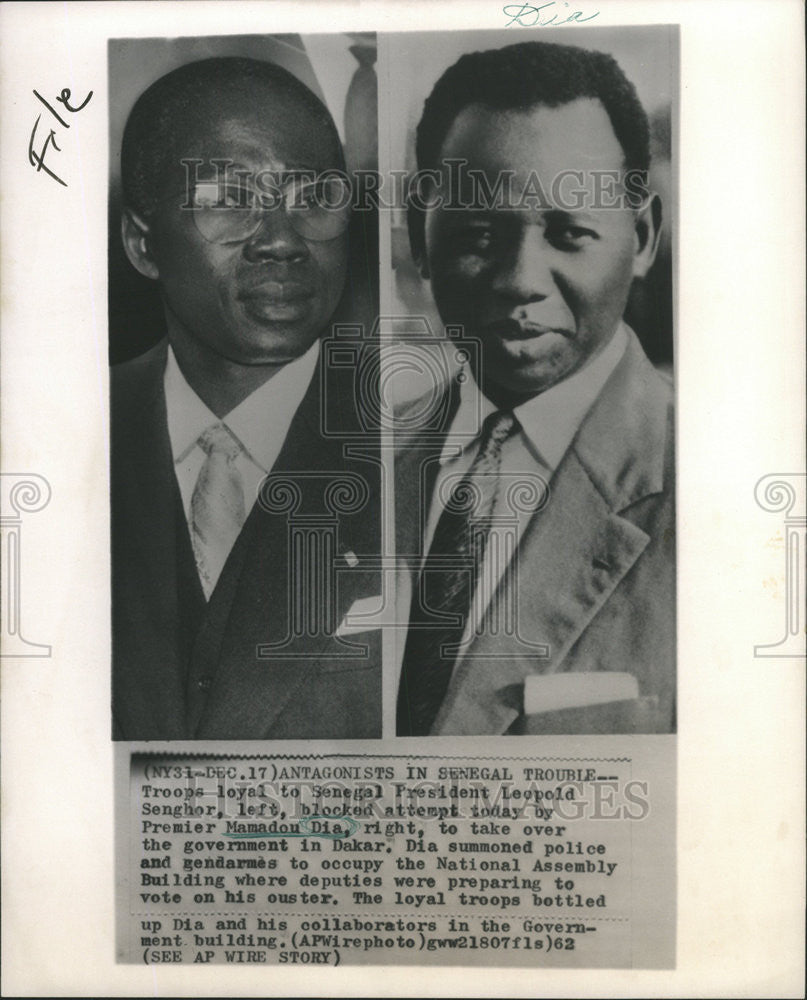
x: 515, y: 329
x: 280, y: 292
x: 276, y: 302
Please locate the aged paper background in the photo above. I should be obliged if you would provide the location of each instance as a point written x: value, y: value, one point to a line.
x: 740, y: 374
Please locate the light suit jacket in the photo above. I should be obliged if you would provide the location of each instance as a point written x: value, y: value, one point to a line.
x: 184, y: 668
x: 595, y: 566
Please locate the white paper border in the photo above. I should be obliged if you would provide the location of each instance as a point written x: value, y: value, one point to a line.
x: 740, y: 373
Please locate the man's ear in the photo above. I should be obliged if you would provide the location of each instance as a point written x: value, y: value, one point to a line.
x: 416, y: 224
x: 646, y: 235
x: 137, y: 243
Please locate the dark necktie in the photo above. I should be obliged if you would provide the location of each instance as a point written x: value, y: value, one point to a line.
x: 447, y: 583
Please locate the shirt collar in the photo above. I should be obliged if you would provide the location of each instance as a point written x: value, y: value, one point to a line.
x: 260, y: 422
x: 550, y: 420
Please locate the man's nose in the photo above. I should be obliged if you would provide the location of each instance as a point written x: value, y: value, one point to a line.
x: 275, y: 239
x: 525, y: 272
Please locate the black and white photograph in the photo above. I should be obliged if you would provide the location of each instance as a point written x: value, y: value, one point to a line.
x: 535, y: 469
x: 244, y: 525
x: 381, y: 382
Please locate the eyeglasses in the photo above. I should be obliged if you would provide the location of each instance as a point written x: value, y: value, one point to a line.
x: 317, y: 210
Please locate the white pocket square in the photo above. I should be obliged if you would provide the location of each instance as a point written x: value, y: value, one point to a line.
x: 553, y: 692
x: 364, y: 614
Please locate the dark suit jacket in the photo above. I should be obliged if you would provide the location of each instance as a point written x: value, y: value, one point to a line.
x: 596, y: 569
x: 184, y: 668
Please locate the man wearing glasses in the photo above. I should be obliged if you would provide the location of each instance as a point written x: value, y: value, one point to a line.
x: 242, y: 531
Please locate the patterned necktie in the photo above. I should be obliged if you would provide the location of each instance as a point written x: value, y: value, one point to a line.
x: 448, y: 581
x: 217, y: 504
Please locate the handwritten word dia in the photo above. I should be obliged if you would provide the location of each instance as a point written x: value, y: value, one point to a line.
x: 527, y: 15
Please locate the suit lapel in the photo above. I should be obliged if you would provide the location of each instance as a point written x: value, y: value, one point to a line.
x: 417, y: 464
x: 572, y: 555
x: 251, y: 605
x: 148, y: 534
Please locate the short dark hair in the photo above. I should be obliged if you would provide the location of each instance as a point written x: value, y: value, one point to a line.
x: 148, y: 139
x: 521, y: 76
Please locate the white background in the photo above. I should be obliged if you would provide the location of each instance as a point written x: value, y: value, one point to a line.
x: 740, y: 374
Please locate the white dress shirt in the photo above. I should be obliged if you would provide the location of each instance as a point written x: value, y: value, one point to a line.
x: 260, y: 423
x: 547, y: 425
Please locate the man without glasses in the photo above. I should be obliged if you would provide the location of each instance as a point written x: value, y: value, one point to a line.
x: 541, y: 563
x: 216, y: 635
